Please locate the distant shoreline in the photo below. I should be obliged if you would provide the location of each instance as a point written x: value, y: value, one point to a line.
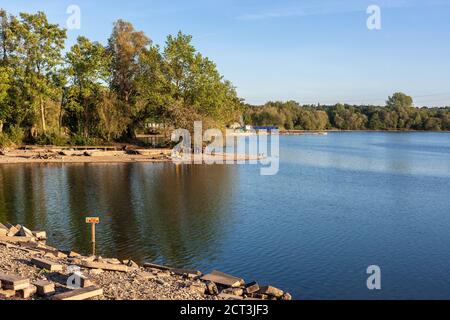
x: 32, y: 154
x: 368, y: 130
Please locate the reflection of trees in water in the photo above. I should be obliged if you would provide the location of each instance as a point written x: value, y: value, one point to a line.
x: 78, y: 199
x: 103, y: 191
x: 184, y: 210
x: 9, y: 176
x: 156, y: 212
x: 22, y: 195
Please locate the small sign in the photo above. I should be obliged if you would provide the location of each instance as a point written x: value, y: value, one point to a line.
x: 95, y: 220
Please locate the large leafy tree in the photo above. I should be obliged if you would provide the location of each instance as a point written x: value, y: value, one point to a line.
x: 126, y: 46
x: 5, y: 84
x: 197, y: 88
x: 39, y: 55
x: 399, y: 100
x: 88, y: 73
x: 7, y: 46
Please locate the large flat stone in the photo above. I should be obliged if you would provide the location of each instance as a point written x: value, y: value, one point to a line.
x: 223, y: 279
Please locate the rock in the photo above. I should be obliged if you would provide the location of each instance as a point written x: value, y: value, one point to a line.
x: 12, y: 231
x: 113, y: 261
x: 72, y: 254
x: 146, y: 276
x: 13, y: 282
x: 224, y: 296
x: 198, y: 288
x: 234, y: 291
x: 96, y: 272
x: 160, y: 282
x: 212, y: 288
x: 223, y: 279
x: 44, y: 288
x: 74, y: 261
x: 28, y: 292
x: 191, y: 274
x: 130, y: 263
x: 156, y: 266
x: 47, y: 265
x: 164, y: 275
x: 105, y: 266
x: 90, y: 259
x: 6, y: 294
x: 271, y: 291
x: 80, y: 294
x: 24, y: 232
x: 49, y: 255
x: 3, y: 230
x: 286, y: 297
x: 40, y: 235
x: 251, y: 288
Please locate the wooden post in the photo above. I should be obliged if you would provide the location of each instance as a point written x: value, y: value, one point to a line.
x: 93, y: 221
x: 93, y: 238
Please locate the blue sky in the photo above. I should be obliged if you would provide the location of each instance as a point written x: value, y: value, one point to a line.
x: 310, y: 51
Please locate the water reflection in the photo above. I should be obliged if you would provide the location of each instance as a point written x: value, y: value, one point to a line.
x: 159, y: 212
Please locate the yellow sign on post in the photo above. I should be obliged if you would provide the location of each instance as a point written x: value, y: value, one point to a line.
x: 93, y: 221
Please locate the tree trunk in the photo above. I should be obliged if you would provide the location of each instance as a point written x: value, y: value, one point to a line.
x: 1, y: 126
x: 86, y: 119
x: 44, y: 126
x: 61, y: 108
x: 131, y: 131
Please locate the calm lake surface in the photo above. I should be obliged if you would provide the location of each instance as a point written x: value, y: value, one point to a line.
x: 339, y: 204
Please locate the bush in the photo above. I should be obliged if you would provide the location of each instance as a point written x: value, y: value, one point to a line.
x: 13, y: 138
x: 16, y: 135
x: 80, y: 140
x: 4, y: 141
x: 52, y: 138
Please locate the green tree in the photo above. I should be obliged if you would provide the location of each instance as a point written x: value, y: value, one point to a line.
x: 5, y: 83
x: 197, y: 87
x: 88, y: 71
x: 399, y: 100
x: 126, y: 45
x: 39, y: 54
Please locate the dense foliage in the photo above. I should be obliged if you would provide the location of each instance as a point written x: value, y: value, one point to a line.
x: 398, y: 114
x: 95, y: 93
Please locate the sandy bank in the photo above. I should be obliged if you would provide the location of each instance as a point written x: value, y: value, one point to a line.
x: 60, y: 155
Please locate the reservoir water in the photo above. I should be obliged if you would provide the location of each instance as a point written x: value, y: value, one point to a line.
x: 339, y: 204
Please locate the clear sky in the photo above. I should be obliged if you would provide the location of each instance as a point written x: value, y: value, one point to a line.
x: 306, y: 50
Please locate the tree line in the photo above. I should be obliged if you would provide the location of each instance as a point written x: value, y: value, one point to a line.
x: 93, y: 93
x: 397, y: 114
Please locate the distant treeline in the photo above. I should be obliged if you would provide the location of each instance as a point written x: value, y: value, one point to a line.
x: 398, y: 114
x: 94, y: 93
